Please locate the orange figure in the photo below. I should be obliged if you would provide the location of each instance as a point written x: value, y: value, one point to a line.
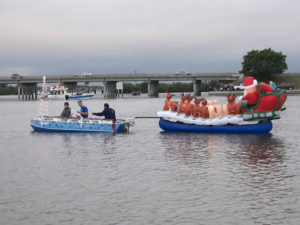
x: 196, y: 108
x: 188, y: 106
x: 181, y: 107
x: 167, y: 105
x: 204, y: 113
x: 174, y: 106
x: 233, y: 108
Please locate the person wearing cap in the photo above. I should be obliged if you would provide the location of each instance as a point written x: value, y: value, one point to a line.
x: 66, y: 113
x: 109, y: 114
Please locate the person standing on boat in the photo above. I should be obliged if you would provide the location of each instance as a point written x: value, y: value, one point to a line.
x: 66, y: 113
x: 84, y: 112
x: 109, y: 114
x: 272, y: 84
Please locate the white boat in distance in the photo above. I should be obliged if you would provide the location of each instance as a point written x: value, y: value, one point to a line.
x: 57, y: 92
x: 78, y: 95
x: 61, y: 92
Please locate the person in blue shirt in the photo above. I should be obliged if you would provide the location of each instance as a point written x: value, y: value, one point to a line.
x: 272, y: 84
x: 109, y: 114
x: 84, y: 112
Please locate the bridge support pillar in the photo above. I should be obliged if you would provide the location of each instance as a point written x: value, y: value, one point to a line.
x: 19, y: 90
x: 153, y: 88
x: 25, y: 91
x: 110, y: 89
x: 197, y: 87
x: 22, y: 92
x: 72, y: 86
x: 28, y: 91
x: 35, y: 92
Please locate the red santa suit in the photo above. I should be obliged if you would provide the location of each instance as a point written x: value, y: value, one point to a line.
x: 265, y: 88
x: 251, y: 93
x: 251, y: 98
x: 252, y: 90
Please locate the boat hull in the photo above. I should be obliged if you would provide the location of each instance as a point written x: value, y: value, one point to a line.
x: 62, y: 126
x: 80, y: 96
x: 56, y: 96
x: 70, y: 96
x: 262, y: 127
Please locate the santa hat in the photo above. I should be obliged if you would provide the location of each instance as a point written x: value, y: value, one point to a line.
x: 250, y: 82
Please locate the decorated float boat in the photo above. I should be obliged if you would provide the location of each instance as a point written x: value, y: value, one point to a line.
x: 233, y: 117
x: 45, y: 123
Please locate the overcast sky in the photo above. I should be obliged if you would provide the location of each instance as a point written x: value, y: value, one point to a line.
x: 121, y: 36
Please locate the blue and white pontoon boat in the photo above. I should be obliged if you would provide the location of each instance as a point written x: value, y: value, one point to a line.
x: 79, y: 96
x: 55, y: 124
x: 45, y: 123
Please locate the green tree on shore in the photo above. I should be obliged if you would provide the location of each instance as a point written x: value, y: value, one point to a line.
x: 172, y: 87
x: 8, y: 90
x: 263, y: 64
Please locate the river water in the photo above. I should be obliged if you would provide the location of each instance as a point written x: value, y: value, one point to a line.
x: 147, y: 176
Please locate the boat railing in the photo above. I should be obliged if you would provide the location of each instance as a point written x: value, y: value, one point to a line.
x: 86, y: 120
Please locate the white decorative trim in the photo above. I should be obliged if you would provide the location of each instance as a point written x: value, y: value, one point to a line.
x: 251, y: 86
x: 174, y: 117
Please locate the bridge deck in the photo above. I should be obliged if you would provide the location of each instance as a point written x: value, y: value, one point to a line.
x: 123, y: 77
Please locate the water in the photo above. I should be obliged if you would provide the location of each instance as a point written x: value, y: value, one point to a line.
x: 147, y: 176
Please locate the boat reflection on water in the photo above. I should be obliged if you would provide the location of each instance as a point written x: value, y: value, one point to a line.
x: 248, y: 148
x: 71, y: 142
x: 189, y: 148
x: 258, y: 149
x: 244, y: 170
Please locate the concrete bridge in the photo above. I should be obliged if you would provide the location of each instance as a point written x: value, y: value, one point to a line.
x: 27, y: 86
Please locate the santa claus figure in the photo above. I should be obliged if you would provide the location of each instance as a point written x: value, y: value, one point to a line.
x: 252, y: 91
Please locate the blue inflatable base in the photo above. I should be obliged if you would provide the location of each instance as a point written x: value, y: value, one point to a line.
x: 262, y: 127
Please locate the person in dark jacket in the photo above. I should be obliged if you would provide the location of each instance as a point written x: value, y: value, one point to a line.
x: 66, y: 113
x: 109, y: 114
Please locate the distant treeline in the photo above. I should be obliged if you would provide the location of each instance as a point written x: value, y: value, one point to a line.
x: 171, y: 87
x: 5, y: 90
